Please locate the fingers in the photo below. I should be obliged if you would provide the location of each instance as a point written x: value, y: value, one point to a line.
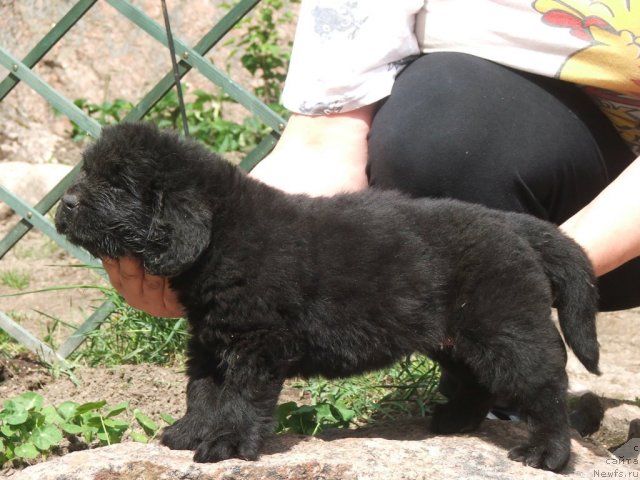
x: 112, y: 267
x: 132, y: 278
x: 149, y: 293
x: 171, y: 304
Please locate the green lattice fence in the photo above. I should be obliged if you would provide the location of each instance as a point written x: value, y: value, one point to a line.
x: 190, y: 57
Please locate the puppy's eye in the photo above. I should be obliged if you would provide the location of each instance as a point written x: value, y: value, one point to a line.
x: 124, y: 189
x: 115, y: 183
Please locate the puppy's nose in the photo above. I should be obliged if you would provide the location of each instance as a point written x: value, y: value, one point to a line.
x: 70, y: 200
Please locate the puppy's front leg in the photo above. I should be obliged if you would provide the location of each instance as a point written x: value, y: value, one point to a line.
x: 231, y: 397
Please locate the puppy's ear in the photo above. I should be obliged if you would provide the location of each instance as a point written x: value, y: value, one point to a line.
x: 177, y: 236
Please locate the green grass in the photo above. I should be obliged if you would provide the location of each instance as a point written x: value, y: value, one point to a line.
x: 130, y: 336
x: 8, y: 346
x: 15, y: 279
x: 409, y: 388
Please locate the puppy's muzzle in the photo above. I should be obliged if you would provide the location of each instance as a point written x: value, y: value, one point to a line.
x: 68, y: 203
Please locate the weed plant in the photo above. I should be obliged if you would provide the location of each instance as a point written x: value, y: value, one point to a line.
x: 409, y: 388
x: 30, y: 430
x: 263, y: 52
x: 204, y: 116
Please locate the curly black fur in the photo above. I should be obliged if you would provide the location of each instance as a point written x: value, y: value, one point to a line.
x: 278, y: 285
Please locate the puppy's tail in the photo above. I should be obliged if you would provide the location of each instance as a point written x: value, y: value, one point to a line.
x: 573, y: 284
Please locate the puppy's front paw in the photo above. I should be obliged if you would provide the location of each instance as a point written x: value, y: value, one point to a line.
x: 541, y: 456
x: 229, y: 445
x: 186, y: 434
x: 212, y: 441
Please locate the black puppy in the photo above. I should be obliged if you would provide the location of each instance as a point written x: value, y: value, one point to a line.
x: 278, y: 285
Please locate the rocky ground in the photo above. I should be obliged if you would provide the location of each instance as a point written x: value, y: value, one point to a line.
x: 401, y: 451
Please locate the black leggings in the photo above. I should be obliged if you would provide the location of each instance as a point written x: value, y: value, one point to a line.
x: 462, y: 127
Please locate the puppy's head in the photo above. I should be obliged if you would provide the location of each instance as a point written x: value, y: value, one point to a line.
x: 140, y: 194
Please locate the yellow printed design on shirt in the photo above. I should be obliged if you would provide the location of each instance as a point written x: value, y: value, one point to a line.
x: 609, y: 66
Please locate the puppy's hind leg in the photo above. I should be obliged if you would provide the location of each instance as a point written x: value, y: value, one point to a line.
x: 529, y: 371
x: 549, y: 444
x: 468, y: 401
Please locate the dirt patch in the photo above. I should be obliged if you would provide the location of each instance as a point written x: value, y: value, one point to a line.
x: 21, y: 372
x: 151, y: 388
x: 40, y: 264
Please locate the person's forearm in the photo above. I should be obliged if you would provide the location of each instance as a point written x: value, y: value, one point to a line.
x: 315, y: 130
x: 608, y: 228
x: 320, y: 155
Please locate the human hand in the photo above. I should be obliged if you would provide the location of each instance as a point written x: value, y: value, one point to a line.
x: 149, y: 293
x: 319, y: 155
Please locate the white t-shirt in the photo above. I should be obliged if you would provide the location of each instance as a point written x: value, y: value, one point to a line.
x: 347, y: 53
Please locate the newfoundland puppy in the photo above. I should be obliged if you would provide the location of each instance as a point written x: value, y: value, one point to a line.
x: 277, y: 286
